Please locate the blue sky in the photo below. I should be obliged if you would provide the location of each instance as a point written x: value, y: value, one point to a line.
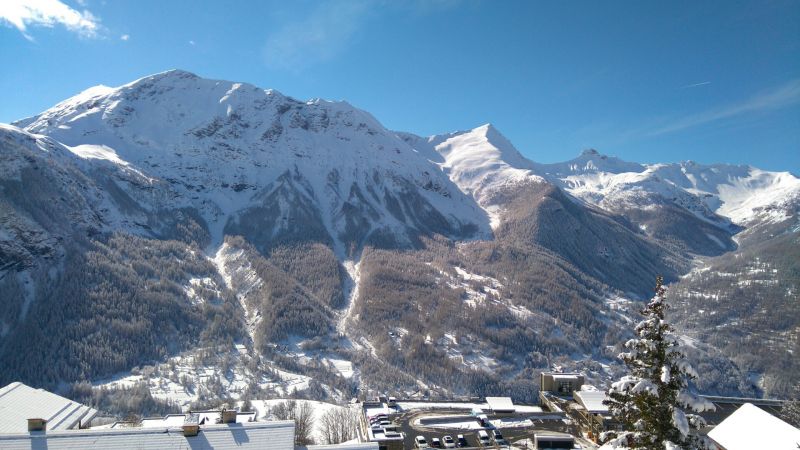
x: 711, y: 81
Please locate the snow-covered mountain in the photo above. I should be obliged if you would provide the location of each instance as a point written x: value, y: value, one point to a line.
x: 176, y: 214
x: 481, y: 162
x: 741, y: 194
x: 232, y: 150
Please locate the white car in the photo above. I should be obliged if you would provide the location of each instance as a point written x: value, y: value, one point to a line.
x: 449, y: 442
x: 483, y: 438
x: 421, y: 442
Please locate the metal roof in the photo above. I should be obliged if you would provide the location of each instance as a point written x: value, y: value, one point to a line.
x: 236, y: 436
x: 19, y: 402
x: 592, y: 401
x: 500, y: 403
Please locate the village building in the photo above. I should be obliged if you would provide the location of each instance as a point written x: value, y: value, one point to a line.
x: 561, y: 383
x: 23, y: 409
x: 750, y: 427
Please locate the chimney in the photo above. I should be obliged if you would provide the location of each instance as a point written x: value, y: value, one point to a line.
x: 37, y: 424
x: 191, y: 425
x: 229, y: 415
x: 191, y: 429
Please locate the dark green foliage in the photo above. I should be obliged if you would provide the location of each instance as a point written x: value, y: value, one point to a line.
x: 648, y: 402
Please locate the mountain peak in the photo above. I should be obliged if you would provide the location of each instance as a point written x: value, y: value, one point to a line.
x: 485, y: 129
x: 170, y: 74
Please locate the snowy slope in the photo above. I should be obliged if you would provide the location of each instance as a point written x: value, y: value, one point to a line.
x: 225, y: 147
x: 741, y: 194
x: 481, y: 162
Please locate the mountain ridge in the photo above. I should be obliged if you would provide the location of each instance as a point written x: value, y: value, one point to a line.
x: 326, y: 235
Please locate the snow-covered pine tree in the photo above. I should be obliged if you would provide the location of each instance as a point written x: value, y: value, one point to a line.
x: 650, y: 401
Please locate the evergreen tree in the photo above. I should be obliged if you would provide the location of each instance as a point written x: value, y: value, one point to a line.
x: 650, y: 401
x: 791, y: 409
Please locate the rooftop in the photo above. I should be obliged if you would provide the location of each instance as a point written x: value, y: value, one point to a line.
x: 19, y: 402
x: 203, y: 418
x: 592, y: 401
x: 255, y: 435
x: 500, y: 403
x: 350, y: 446
x: 751, y: 427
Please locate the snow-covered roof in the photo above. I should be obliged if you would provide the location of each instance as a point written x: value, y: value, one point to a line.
x: 566, y: 376
x: 19, y: 402
x: 203, y: 417
x: 500, y: 403
x: 346, y: 446
x: 592, y: 401
x: 246, y: 436
x: 751, y: 427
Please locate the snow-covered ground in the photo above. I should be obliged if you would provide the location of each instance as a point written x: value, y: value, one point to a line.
x: 183, y: 379
x: 262, y: 407
x: 234, y: 267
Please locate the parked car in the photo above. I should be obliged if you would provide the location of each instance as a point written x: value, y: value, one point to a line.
x: 421, y: 442
x: 483, y: 438
x: 449, y: 442
x: 498, y: 438
x: 462, y: 441
x: 436, y: 443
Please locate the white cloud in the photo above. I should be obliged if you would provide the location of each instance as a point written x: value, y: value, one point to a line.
x: 694, y: 85
x: 48, y: 13
x: 318, y: 37
x: 191, y: 43
x: 125, y: 37
x: 780, y: 97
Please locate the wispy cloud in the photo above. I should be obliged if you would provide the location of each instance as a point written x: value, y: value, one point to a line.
x: 24, y: 13
x: 330, y: 27
x: 192, y: 42
x: 694, y: 85
x: 318, y: 37
x: 780, y: 97
x: 125, y: 37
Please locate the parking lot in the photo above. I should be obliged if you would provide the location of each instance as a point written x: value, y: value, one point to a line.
x: 406, y: 423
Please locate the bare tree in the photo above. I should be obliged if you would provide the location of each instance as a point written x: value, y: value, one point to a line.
x: 303, y: 416
x: 338, y: 425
